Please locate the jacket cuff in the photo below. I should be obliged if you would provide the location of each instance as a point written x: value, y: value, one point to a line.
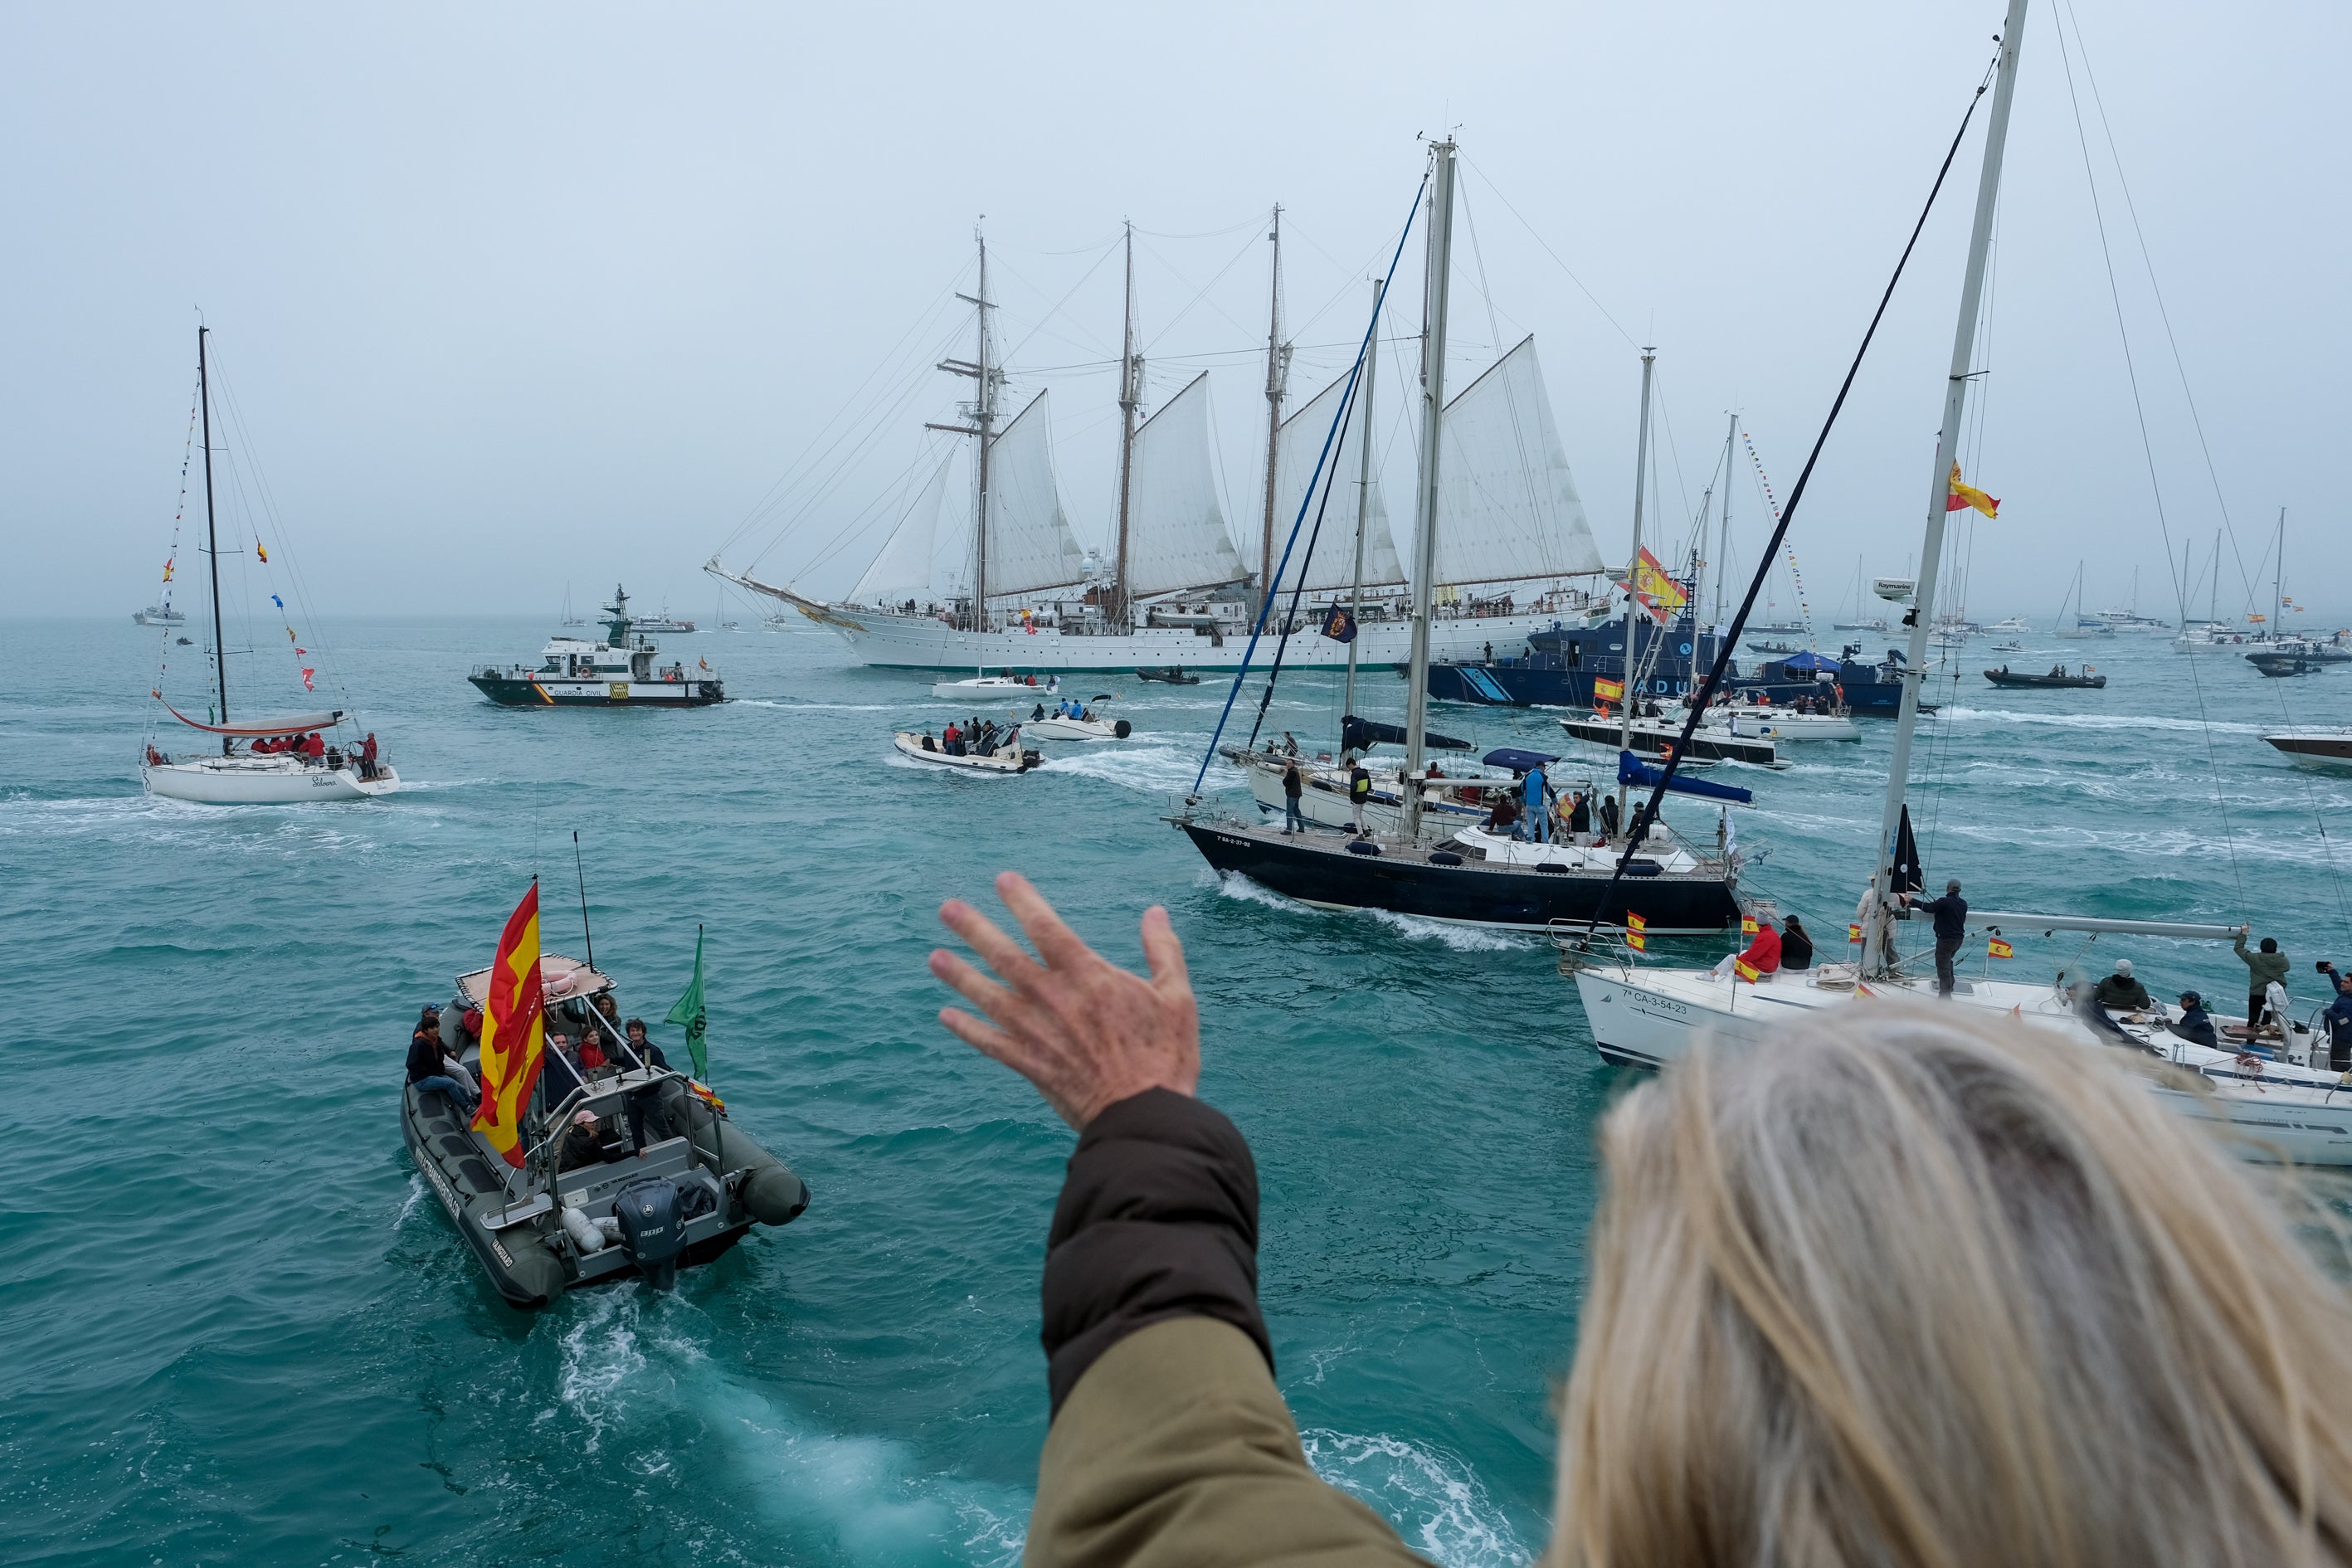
x: 1158, y: 1219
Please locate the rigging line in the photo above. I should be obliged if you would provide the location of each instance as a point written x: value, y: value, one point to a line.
x: 2147, y: 451
x: 841, y: 410
x: 1247, y: 245
x: 1527, y: 472
x: 1630, y: 340
x: 1075, y: 250
x: 1056, y: 308
x: 892, y: 500
x: 1648, y: 811
x: 1255, y: 220
x: 1681, y: 483
x: 1107, y: 250
x: 2147, y: 262
x: 1298, y: 589
x: 1371, y: 330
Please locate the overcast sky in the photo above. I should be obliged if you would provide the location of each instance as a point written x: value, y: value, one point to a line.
x: 511, y: 297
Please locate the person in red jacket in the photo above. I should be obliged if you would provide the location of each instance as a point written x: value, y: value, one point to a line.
x: 1763, y: 954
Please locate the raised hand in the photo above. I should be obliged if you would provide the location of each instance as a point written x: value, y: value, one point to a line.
x: 1088, y: 1033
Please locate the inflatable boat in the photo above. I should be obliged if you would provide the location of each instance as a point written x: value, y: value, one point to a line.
x: 661, y: 1180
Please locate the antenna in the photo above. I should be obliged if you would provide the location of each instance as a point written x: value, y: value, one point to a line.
x: 582, y: 873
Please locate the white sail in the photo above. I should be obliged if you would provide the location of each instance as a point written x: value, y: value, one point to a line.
x: 1507, y: 504
x: 905, y: 562
x: 1296, y: 446
x: 1030, y: 545
x: 1176, y: 534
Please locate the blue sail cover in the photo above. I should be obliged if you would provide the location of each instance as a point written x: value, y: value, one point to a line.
x: 1798, y: 664
x: 1516, y: 759
x: 1631, y: 770
x: 1360, y: 734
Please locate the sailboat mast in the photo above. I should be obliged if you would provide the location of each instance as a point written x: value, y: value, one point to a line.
x: 1425, y: 500
x: 1363, y: 498
x: 2278, y: 571
x: 1130, y: 394
x: 2213, y: 599
x: 983, y: 421
x: 1931, y: 547
x: 1277, y: 368
x: 1723, y: 538
x: 212, y: 533
x: 1633, y: 573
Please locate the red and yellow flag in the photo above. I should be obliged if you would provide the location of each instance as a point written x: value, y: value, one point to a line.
x: 1655, y: 587
x: 1637, y: 941
x: 1748, y: 925
x: 261, y: 550
x: 514, y: 1032
x: 1607, y: 691
x: 1853, y: 933
x: 1966, y: 495
x: 1998, y: 949
x: 1746, y: 971
x: 1635, y: 923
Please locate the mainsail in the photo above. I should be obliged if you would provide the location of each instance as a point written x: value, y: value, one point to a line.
x: 1300, y: 441
x: 1507, y: 504
x: 905, y: 562
x: 1030, y: 545
x: 1176, y: 531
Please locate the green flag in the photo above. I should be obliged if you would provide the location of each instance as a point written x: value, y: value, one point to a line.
x: 688, y: 1012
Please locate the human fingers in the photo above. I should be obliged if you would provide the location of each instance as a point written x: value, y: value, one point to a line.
x: 1058, y: 944
x: 1164, y: 950
x: 985, y: 938
x: 998, y: 1045
x: 999, y: 1001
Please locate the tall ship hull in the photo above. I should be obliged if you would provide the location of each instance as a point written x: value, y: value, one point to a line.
x: 915, y: 642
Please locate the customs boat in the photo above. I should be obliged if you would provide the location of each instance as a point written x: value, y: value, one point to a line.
x: 672, y: 1183
x: 621, y: 670
x: 2056, y: 680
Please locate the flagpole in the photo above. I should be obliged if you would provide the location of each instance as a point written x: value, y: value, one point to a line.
x: 582, y: 872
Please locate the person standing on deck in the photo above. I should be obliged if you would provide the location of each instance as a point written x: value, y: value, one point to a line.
x: 1293, y: 787
x: 1951, y: 912
x: 1608, y: 817
x: 1538, y: 815
x: 1359, y: 791
x: 2263, y: 970
x: 1580, y: 815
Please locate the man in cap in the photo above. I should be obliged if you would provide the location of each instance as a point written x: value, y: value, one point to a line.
x: 2119, y: 992
x: 1951, y: 914
x: 2195, y: 1025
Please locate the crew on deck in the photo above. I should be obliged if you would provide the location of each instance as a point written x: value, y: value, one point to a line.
x: 2120, y: 992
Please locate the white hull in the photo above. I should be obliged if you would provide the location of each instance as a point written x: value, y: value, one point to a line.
x: 1003, y: 760
x: 1324, y: 803
x: 262, y: 781
x: 1772, y: 724
x: 924, y: 642
x: 992, y: 688
x: 1052, y: 729
x: 1647, y: 1017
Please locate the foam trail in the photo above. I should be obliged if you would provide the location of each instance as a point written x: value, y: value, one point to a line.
x: 1433, y: 1501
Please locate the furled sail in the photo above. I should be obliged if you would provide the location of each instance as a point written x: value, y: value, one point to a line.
x: 904, y: 564
x: 1296, y: 446
x: 1030, y: 544
x: 1176, y: 534
x: 1507, y: 504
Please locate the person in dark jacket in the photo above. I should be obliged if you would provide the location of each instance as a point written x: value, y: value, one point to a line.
x: 1951, y: 912
x: 430, y: 1067
x: 2195, y: 1025
x: 1359, y: 793
x: 2121, y: 993
x: 1293, y: 788
x: 2338, y: 1021
x: 1580, y: 814
x: 1796, y: 947
x: 1609, y: 816
x: 2263, y: 969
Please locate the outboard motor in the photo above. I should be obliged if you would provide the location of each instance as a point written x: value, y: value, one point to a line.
x: 653, y: 1228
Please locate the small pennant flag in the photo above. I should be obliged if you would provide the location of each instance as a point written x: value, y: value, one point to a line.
x: 702, y: 1091
x: 2000, y: 949
x: 1746, y: 971
x: 1637, y: 941
x: 263, y: 551
x: 1853, y: 933
x: 306, y: 680
x: 1635, y: 923
x: 277, y: 601
x: 2017, y: 1010
x: 1339, y: 625
x: 167, y: 568
x: 1862, y: 990
x: 1607, y: 691
x: 1964, y: 495
x: 1748, y: 925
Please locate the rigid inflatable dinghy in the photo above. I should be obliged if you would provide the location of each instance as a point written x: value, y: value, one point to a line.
x: 659, y: 1180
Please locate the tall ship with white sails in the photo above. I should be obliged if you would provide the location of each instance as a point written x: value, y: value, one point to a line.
x: 1515, y: 555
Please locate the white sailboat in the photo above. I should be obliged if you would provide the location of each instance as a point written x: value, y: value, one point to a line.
x: 1653, y: 1015
x: 1178, y: 591
x: 351, y: 768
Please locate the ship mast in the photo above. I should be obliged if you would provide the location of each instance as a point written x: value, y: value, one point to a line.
x: 1723, y: 539
x: 1633, y: 573
x: 1931, y: 549
x: 212, y: 535
x: 1425, y: 500
x: 1364, y: 495
x: 982, y: 425
x: 1277, y: 375
x: 1130, y: 394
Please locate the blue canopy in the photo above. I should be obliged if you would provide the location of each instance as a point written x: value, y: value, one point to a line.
x: 1802, y: 662
x: 1519, y: 762
x: 1631, y: 770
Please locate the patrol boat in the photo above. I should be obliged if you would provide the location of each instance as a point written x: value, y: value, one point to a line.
x: 618, y: 671
x: 675, y: 1184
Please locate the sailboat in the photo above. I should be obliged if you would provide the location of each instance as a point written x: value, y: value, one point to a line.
x: 350, y: 768
x: 1477, y: 876
x: 1651, y: 1015
x: 1177, y: 592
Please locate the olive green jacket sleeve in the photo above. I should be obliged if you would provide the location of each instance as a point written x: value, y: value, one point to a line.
x: 1175, y: 1449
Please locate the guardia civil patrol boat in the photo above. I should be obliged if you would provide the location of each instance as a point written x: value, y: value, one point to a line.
x: 671, y: 1183
x: 621, y: 670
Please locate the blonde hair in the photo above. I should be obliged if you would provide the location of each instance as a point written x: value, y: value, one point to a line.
x: 1899, y: 1288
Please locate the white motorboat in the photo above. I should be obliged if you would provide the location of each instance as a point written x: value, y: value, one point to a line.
x: 996, y: 689
x: 2010, y: 624
x: 276, y: 765
x: 1008, y: 756
x: 1087, y: 726
x: 161, y: 615
x: 2322, y: 747
x: 1780, y: 723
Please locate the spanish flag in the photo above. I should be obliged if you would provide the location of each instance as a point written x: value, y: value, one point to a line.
x: 1637, y: 941
x: 1853, y: 933
x: 1655, y: 587
x: 2000, y: 949
x: 1966, y: 495
x: 1635, y: 923
x: 514, y: 1032
x: 1607, y: 691
x: 261, y: 550
x: 1746, y: 971
x: 1748, y: 925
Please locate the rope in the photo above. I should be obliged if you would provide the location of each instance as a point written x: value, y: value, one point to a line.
x: 1648, y: 811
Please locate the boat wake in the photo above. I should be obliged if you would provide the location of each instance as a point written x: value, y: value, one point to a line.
x: 2090, y: 720
x: 1460, y: 938
x: 1153, y: 770
x: 1433, y: 1501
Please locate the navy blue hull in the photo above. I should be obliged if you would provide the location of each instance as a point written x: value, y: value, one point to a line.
x: 1556, y: 670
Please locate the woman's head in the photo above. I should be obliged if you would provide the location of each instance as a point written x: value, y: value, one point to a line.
x: 1908, y: 1289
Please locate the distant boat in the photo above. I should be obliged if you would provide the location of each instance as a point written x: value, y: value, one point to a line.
x: 2314, y: 745
x: 1173, y: 676
x: 614, y: 671
x: 2056, y: 680
x: 159, y: 615
x: 664, y: 624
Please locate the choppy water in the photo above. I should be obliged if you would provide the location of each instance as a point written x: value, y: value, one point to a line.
x: 239, y: 1331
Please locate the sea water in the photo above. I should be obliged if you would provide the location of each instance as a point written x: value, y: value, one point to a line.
x: 239, y: 1328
